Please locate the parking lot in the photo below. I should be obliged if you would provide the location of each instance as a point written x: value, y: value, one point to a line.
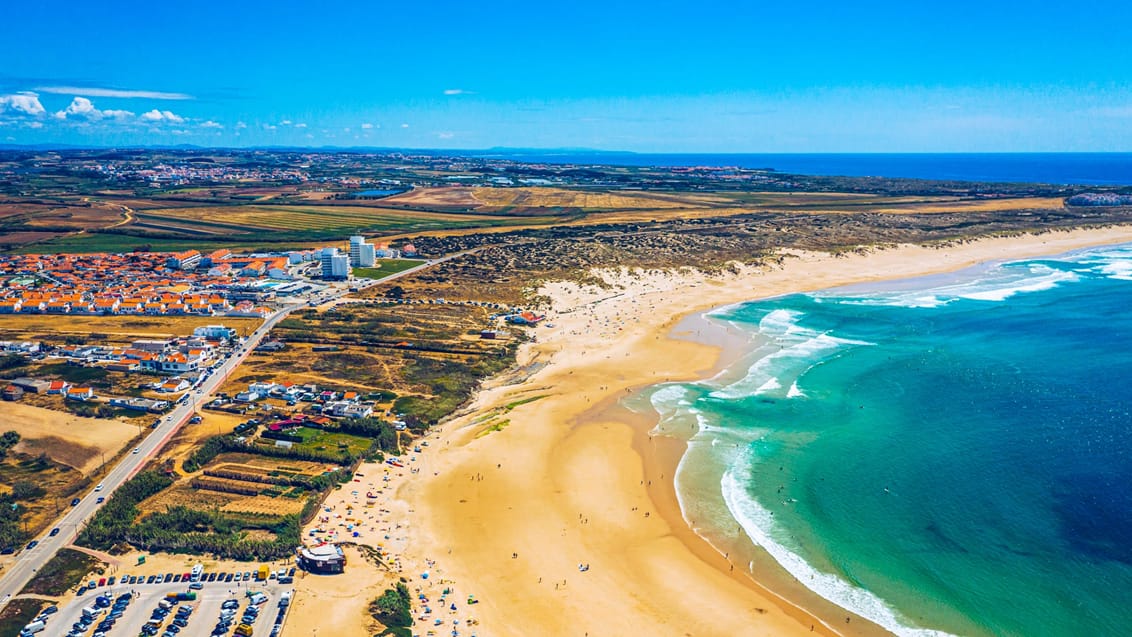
x: 201, y: 622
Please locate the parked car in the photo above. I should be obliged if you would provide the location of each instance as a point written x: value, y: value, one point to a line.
x: 54, y: 532
x: 74, y: 502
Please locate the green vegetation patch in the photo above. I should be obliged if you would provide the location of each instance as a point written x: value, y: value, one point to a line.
x: 394, y: 610
x: 18, y: 613
x: 385, y: 267
x: 65, y: 571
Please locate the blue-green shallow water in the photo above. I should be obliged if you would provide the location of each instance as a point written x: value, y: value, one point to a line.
x: 944, y: 454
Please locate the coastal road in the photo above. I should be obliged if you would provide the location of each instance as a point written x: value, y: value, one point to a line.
x: 24, y: 568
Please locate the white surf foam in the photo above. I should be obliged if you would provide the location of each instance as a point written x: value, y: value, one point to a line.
x: 796, y: 349
x: 996, y: 285
x: 758, y: 523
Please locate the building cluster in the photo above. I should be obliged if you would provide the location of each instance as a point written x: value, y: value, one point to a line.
x: 146, y: 283
x: 173, y: 357
x: 325, y: 402
x: 189, y: 173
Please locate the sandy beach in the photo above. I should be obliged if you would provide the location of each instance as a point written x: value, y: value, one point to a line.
x: 558, y: 514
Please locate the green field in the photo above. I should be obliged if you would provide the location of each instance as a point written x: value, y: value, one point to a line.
x: 385, y: 267
x: 96, y: 242
x: 319, y: 440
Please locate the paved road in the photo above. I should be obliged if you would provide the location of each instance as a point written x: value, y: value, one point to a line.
x: 30, y: 561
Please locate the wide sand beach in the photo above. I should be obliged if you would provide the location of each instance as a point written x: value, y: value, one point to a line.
x: 554, y: 506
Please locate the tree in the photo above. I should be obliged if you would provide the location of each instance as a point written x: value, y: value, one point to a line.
x: 8, y: 440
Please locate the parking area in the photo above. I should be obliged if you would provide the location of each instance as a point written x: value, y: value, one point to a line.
x: 213, y: 606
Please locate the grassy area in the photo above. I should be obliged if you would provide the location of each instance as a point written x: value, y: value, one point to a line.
x: 385, y: 267
x: 18, y: 613
x: 73, y: 374
x: 319, y: 440
x: 98, y: 242
x: 62, y: 573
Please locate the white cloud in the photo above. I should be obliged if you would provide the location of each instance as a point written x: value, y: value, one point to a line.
x: 161, y: 116
x: 457, y: 91
x: 404, y: 125
x: 269, y: 127
x: 211, y: 124
x: 113, y: 92
x: 346, y: 130
x: 367, y: 126
x: 446, y: 135
x: 285, y: 122
x: 118, y: 115
x: 80, y: 107
x: 241, y: 125
x: 300, y: 125
x: 24, y: 103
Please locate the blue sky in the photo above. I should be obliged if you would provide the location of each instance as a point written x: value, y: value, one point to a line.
x: 644, y: 76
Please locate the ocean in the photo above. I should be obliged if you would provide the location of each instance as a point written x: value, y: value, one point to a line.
x: 948, y: 455
x: 1048, y: 168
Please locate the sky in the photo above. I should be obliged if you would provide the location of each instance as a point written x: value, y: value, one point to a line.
x: 658, y: 76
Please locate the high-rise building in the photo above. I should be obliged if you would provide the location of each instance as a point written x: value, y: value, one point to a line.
x: 362, y: 254
x: 334, y: 264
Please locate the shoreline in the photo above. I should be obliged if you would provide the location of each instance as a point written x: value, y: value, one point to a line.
x: 574, y: 478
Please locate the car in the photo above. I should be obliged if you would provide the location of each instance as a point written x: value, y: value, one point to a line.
x: 291, y: 573
x: 160, y: 579
x: 196, y: 586
x: 50, y: 610
x: 82, y: 589
x: 247, y: 575
x: 180, y: 623
x: 54, y: 532
x: 168, y: 577
x: 100, y: 500
x: 212, y: 576
x: 151, y: 579
x: 32, y: 544
x: 99, y: 487
x: 75, y: 502
x: 177, y: 577
x: 137, y: 449
x: 110, y: 581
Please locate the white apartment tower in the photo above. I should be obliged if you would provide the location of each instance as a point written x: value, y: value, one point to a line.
x: 334, y: 265
x: 362, y: 254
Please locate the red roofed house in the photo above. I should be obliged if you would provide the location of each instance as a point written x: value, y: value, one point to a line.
x: 80, y: 393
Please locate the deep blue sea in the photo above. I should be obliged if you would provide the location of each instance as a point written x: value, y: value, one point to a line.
x: 948, y: 454
x: 1049, y: 168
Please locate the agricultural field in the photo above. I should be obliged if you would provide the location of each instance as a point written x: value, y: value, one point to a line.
x: 204, y: 221
x: 535, y: 199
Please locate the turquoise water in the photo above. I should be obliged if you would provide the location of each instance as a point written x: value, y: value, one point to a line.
x: 943, y: 455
